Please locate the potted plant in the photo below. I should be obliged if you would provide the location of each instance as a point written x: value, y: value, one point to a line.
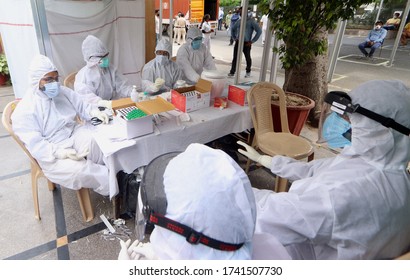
x: 303, y: 27
x: 4, y: 70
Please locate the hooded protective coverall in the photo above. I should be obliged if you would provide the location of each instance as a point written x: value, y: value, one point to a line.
x: 166, y: 69
x: 98, y: 83
x: 357, y: 204
x: 192, y: 62
x: 46, y: 125
x: 217, y: 201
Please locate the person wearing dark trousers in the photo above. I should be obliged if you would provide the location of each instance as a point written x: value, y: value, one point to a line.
x: 374, y: 40
x: 251, y: 27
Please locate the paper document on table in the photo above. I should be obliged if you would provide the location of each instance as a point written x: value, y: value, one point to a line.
x: 109, y: 140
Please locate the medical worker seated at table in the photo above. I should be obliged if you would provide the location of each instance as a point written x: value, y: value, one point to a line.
x: 193, y: 56
x: 99, y: 81
x: 46, y: 122
x: 161, y: 73
x: 355, y: 205
x: 198, y: 213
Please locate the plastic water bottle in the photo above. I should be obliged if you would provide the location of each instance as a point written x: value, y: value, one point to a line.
x: 134, y: 94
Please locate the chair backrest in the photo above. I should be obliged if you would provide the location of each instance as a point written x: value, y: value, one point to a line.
x: 69, y: 80
x: 259, y: 101
x: 6, y: 120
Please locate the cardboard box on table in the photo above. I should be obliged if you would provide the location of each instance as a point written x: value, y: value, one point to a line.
x: 237, y: 94
x: 140, y: 126
x: 191, y: 103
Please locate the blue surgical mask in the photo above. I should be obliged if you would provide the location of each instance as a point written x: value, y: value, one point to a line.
x: 161, y: 59
x: 52, y: 89
x: 335, y: 130
x: 196, y: 44
x: 104, y: 62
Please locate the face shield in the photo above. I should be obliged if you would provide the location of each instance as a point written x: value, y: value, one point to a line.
x: 334, y: 121
x: 152, y: 208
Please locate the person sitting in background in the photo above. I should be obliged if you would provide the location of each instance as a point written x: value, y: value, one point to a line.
x: 195, y: 217
x: 193, y: 56
x: 405, y: 34
x: 393, y: 23
x: 161, y: 73
x: 45, y: 120
x: 374, y: 40
x: 354, y: 205
x: 99, y: 81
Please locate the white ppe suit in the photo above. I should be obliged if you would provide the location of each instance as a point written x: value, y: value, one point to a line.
x: 192, y: 62
x: 216, y: 201
x: 97, y: 83
x: 46, y: 125
x: 355, y: 205
x: 167, y: 70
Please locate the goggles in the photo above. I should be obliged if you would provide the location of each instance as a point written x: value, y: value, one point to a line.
x: 341, y: 103
x: 152, y: 205
x: 50, y: 79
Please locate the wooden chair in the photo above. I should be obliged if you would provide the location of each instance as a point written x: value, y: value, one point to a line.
x: 69, y: 80
x: 266, y: 139
x: 83, y: 194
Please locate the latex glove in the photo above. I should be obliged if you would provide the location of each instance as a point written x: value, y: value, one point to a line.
x: 252, y: 154
x: 65, y: 153
x: 144, y: 251
x: 159, y: 83
x: 78, y: 156
x: 95, y: 113
x: 127, y: 252
x: 105, y: 103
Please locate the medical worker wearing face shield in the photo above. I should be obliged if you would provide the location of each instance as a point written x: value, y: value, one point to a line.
x: 46, y: 122
x: 357, y: 204
x: 161, y: 73
x: 198, y: 213
x: 99, y: 81
x: 193, y: 57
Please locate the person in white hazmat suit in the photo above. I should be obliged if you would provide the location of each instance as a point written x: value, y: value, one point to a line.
x: 355, y: 205
x: 99, y: 81
x: 46, y: 122
x: 193, y: 56
x: 161, y: 73
x: 198, y: 213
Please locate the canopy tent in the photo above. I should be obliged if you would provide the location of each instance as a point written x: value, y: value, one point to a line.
x: 57, y: 29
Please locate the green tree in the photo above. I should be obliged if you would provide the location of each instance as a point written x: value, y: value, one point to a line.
x: 303, y: 26
x: 229, y: 3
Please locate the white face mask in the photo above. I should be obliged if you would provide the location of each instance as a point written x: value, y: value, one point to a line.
x: 377, y: 27
x: 161, y: 59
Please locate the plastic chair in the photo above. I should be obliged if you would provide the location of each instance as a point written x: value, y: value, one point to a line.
x: 83, y: 194
x: 266, y: 139
x: 69, y: 80
x: 405, y: 256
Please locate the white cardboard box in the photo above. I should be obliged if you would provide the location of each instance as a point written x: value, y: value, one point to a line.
x: 191, y: 103
x: 134, y: 128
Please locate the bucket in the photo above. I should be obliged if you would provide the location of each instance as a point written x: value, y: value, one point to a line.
x: 218, y: 80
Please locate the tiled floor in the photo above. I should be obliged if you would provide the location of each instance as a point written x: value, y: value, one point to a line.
x: 61, y: 233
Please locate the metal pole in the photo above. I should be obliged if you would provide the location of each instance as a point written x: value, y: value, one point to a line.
x: 341, y: 26
x: 274, y: 62
x: 40, y: 23
x: 378, y: 12
x: 160, y: 19
x: 266, y: 51
x: 241, y: 39
x: 399, y: 32
x: 171, y: 25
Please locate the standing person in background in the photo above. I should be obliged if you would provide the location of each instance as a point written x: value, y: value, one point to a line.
x: 181, y: 29
x: 228, y: 20
x: 220, y: 18
x: 206, y: 31
x: 264, y: 23
x: 156, y: 26
x: 250, y: 28
x: 235, y: 17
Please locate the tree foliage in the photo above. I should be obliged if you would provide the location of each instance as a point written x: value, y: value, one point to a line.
x: 298, y: 22
x: 229, y: 3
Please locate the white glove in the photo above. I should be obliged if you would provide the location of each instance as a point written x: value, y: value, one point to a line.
x: 144, y: 251
x: 95, y: 113
x: 65, y: 153
x: 252, y: 154
x: 159, y: 83
x: 78, y: 156
x: 126, y: 252
x: 105, y: 103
